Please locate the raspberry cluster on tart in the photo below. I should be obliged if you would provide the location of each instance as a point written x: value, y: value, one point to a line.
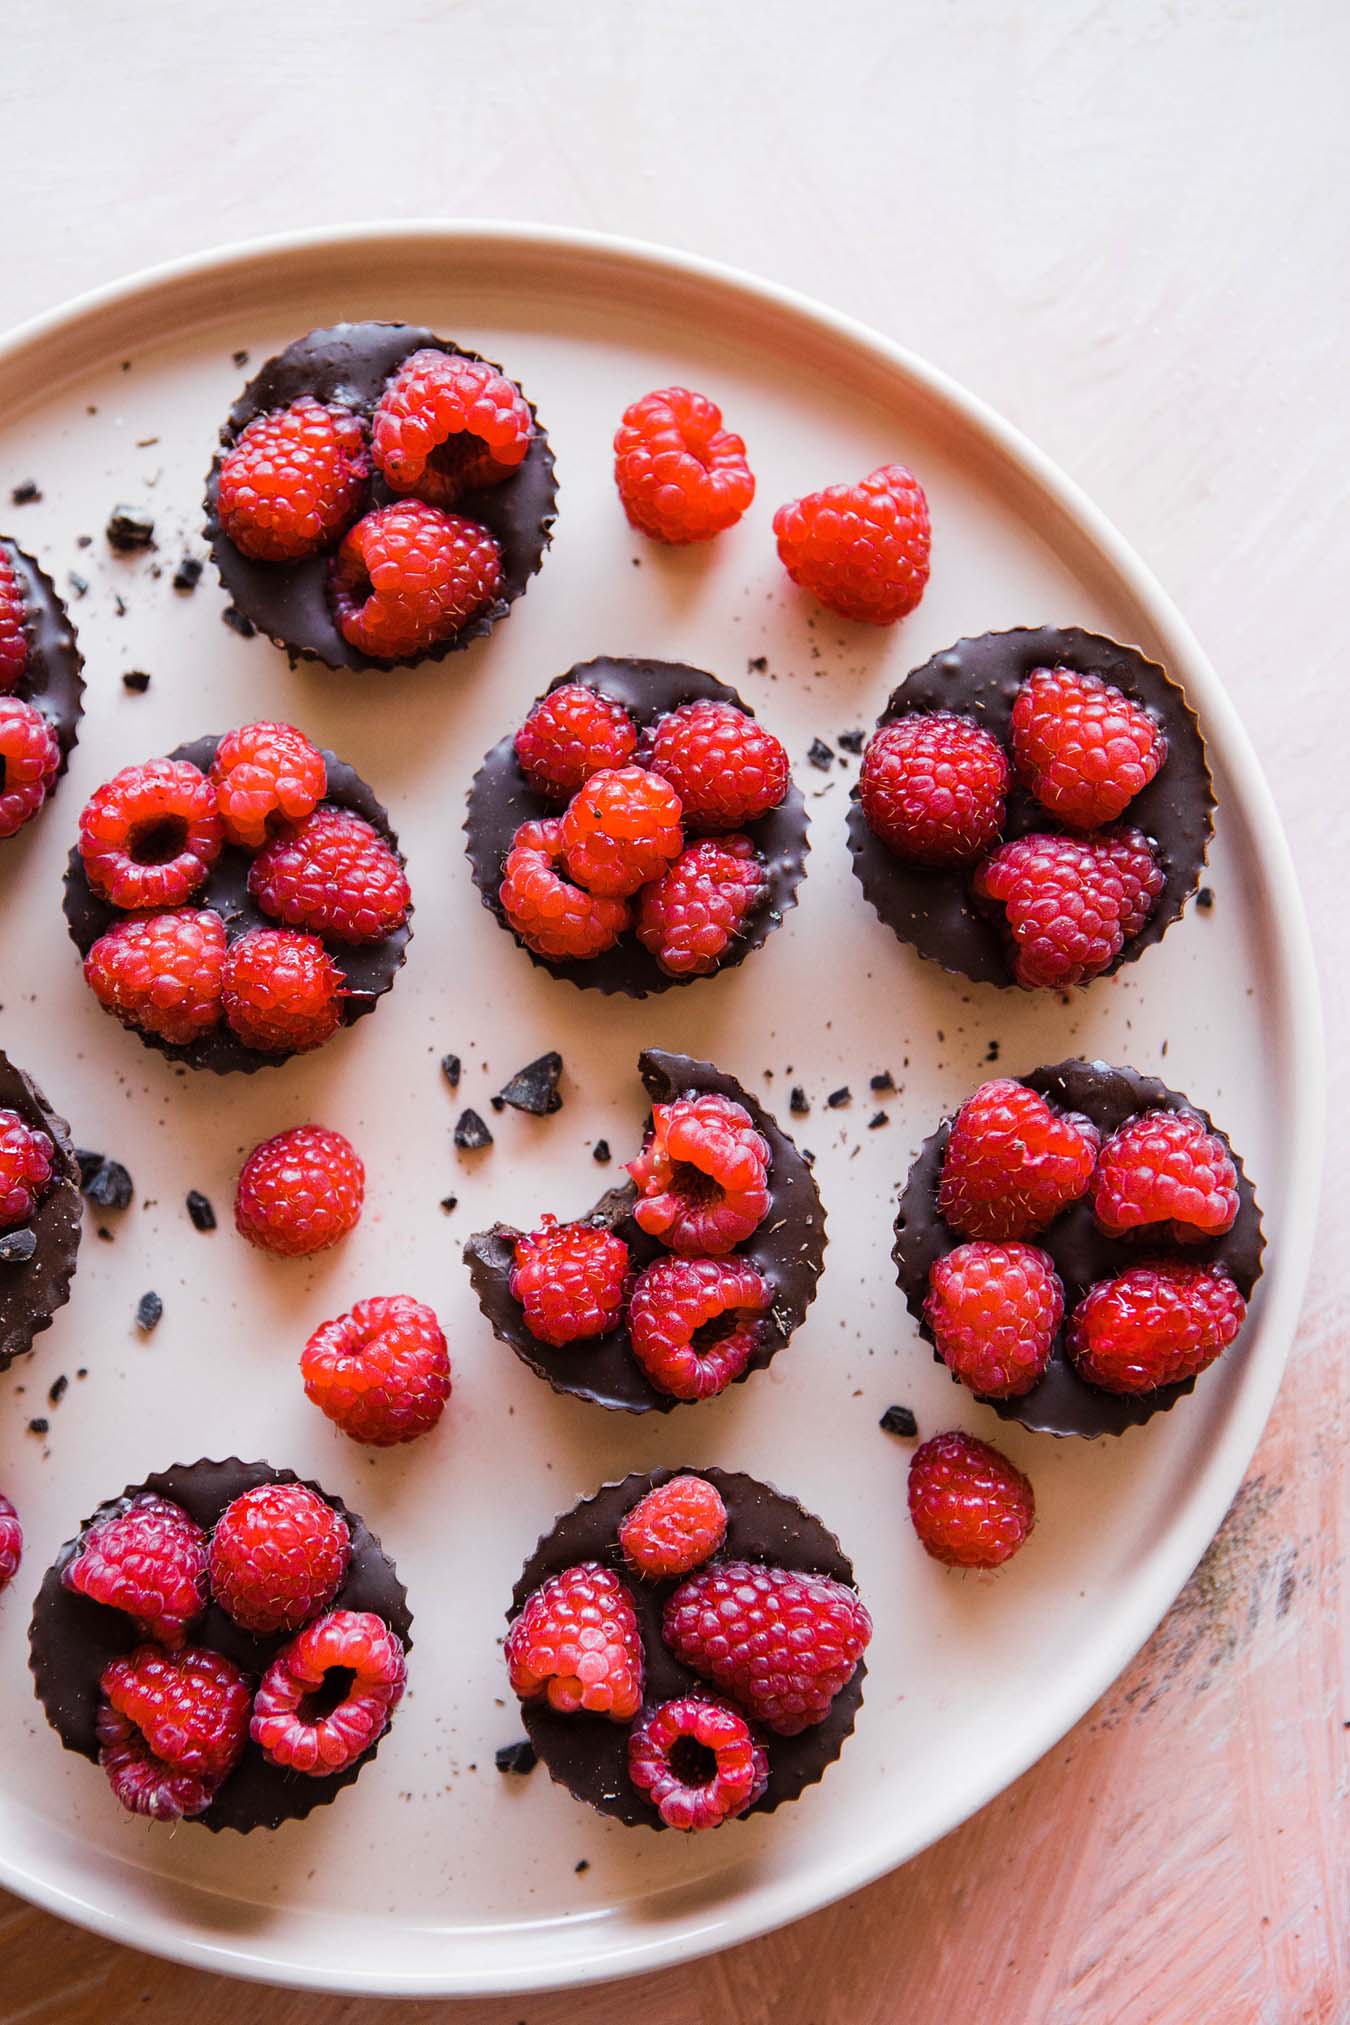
x: 1034, y: 808
x: 226, y: 1642
x: 41, y: 688
x: 687, y: 1278
x: 40, y: 1212
x: 660, y: 1725
x: 639, y: 830
x: 1078, y: 1244
x: 382, y: 496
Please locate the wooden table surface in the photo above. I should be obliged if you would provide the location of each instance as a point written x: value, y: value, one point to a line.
x: 1125, y: 224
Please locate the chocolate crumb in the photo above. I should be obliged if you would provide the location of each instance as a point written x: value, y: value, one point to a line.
x: 883, y: 1084
x: 78, y: 584
x: 26, y: 493
x: 84, y: 541
x: 56, y: 1391
x: 471, y: 1134
x: 899, y: 1420
x: 498, y: 1103
x: 582, y: 1865
x: 820, y: 755
x: 146, y: 442
x: 449, y: 1203
x: 129, y: 528
x: 797, y: 1101
x: 838, y: 1098
x: 149, y: 1309
x: 120, y: 606
x: 600, y: 1152
x: 103, y: 1232
x: 878, y: 1118
x: 234, y: 618
x: 239, y: 358
x: 38, y: 1426
x: 991, y: 1052
x: 451, y: 1067
x: 758, y: 664
x: 188, y: 574
x: 136, y: 680
x: 851, y: 741
x: 1205, y: 898
x: 519, y: 1758
x: 17, y: 1247
x: 535, y: 1087
x: 104, y: 1182
x: 83, y: 1371
x: 200, y: 1210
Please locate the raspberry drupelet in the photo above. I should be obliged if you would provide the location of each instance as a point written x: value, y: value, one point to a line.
x: 446, y: 425
x: 408, y: 577
x: 265, y: 775
x: 689, y: 918
x: 382, y: 1372
x: 13, y: 627
x: 292, y: 480
x: 681, y: 476
x: 27, y: 1161
x: 995, y: 1311
x: 1155, y: 1324
x: 30, y: 759
x: 332, y: 873
x: 702, y: 1177
x: 570, y: 1280
x: 674, y: 1529
x: 1071, y: 903
x: 783, y: 1642
x: 11, y: 1543
x: 148, y: 1559
x: 1012, y: 1162
x: 863, y: 549
x: 621, y: 829
x: 1082, y: 746
x: 282, y: 992
x: 300, y: 1192
x: 571, y: 733
x: 970, y: 1506
x: 694, y: 1324
x: 162, y: 973
x: 278, y: 1554
x: 1167, y: 1169
x: 697, y: 1761
x: 551, y: 914
x: 352, y: 1647
x: 576, y: 1643
x: 933, y: 787
x: 150, y: 835
x: 171, y: 1729
x: 726, y: 769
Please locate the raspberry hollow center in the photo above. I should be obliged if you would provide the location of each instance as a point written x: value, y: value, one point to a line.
x: 331, y: 1692
x: 157, y: 842
x: 693, y: 1763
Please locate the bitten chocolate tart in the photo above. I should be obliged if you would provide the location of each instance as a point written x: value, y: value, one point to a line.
x: 295, y: 531
x: 589, y: 1753
x: 696, y: 1319
x: 41, y: 688
x: 74, y: 1639
x: 726, y: 828
x: 1104, y: 1173
x: 1061, y: 735
x: 40, y: 1232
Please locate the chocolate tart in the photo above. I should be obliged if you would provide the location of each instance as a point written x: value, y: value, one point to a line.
x: 1062, y: 1403
x: 589, y: 1754
x: 933, y: 908
x: 72, y: 1639
x: 33, y: 1289
x: 53, y: 681
x: 369, y: 968
x: 788, y: 1249
x: 348, y: 366
x: 501, y: 799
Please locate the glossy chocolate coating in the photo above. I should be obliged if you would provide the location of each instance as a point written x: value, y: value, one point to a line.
x: 31, y: 1292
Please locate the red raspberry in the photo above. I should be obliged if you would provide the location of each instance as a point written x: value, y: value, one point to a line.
x: 690, y: 916
x: 300, y: 1192
x: 171, y: 1728
x: 30, y: 759
x: 408, y: 577
x: 1082, y: 747
x: 1013, y: 1162
x: 933, y: 787
x: 381, y: 1372
x: 26, y: 1159
x: 278, y: 1554
x: 552, y: 916
x: 333, y: 874
x: 570, y: 734
x: 971, y: 1507
x: 677, y: 1527
x: 782, y: 1642
x: 150, y: 835
x: 11, y: 1543
x: 148, y: 1559
x: 672, y: 1745
x: 995, y: 1311
x: 1072, y: 902
x: 696, y: 1323
x: 282, y: 991
x: 620, y: 829
x: 162, y: 973
x: 265, y: 775
x: 447, y: 425
x: 576, y: 1641
x: 861, y: 549
x: 726, y: 769
x: 1166, y: 1167
x: 292, y: 479
x: 13, y: 627
x: 351, y: 1647
x: 702, y: 1177
x: 681, y: 476
x: 570, y: 1280
x: 1154, y: 1325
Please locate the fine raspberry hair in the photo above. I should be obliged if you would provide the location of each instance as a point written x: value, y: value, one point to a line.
x: 570, y: 1279
x: 1082, y: 746
x: 1013, y: 1162
x: 674, y: 1529
x: 27, y: 1158
x: 171, y: 1729
x: 1166, y: 1168
x: 681, y: 476
x: 971, y: 1507
x: 995, y: 1311
x: 345, y: 1642
x: 726, y: 769
x: 690, y: 918
x: 620, y: 830
x: 265, y: 775
x: 576, y: 1644
x: 551, y: 914
x: 332, y: 873
x: 162, y: 973
x: 1071, y: 903
x: 863, y: 549
x: 783, y: 1642
x: 380, y: 1373
x: 695, y: 1324
x: 446, y: 425
x: 570, y: 734
x: 706, y: 1729
x: 30, y: 759
x: 1156, y: 1324
x: 279, y: 1553
x: 933, y: 787
x: 300, y: 1192
x: 146, y: 1557
x: 150, y: 835
x: 13, y: 627
x: 282, y: 992
x: 11, y: 1542
x: 702, y: 1177
x: 408, y: 577
x: 292, y: 480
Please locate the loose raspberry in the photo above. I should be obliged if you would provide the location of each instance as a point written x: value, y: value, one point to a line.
x: 334, y: 874
x: 162, y: 973
x: 292, y: 479
x: 1166, y: 1167
x: 696, y: 1323
x: 11, y: 1543
x: 702, y: 1177
x: 148, y: 1559
x: 995, y: 1311
x: 1013, y: 1162
x: 697, y: 1762
x: 861, y: 549
x: 265, y: 775
x: 782, y: 1642
x: 13, y: 627
x: 570, y: 734
x: 1083, y: 748
x: 681, y: 476
x: 971, y: 1507
x: 677, y: 1527
x: 726, y: 769
x: 447, y: 425
x: 171, y: 1729
x: 576, y: 1641
x: 381, y: 1372
x: 408, y: 577
x: 1072, y: 902
x: 26, y: 1160
x: 550, y: 914
x: 150, y: 835
x: 689, y: 918
x: 30, y: 759
x: 570, y: 1280
x: 933, y: 787
x: 300, y: 1192
x: 620, y: 829
x: 278, y: 1554
x: 349, y: 1650
x: 1154, y: 1325
x: 282, y: 991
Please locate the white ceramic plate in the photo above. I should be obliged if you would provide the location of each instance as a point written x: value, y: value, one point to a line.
x: 435, y: 1874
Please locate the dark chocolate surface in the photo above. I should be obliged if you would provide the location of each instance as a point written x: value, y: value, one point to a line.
x: 932, y: 908
x: 53, y: 680
x: 587, y: 1753
x: 788, y: 1249
x: 501, y: 799
x: 349, y: 365
x: 1061, y: 1403
x: 369, y: 968
x: 72, y: 1639
x: 32, y: 1291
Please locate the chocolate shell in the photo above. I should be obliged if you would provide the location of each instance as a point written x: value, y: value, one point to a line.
x: 32, y: 1290
x: 53, y: 681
